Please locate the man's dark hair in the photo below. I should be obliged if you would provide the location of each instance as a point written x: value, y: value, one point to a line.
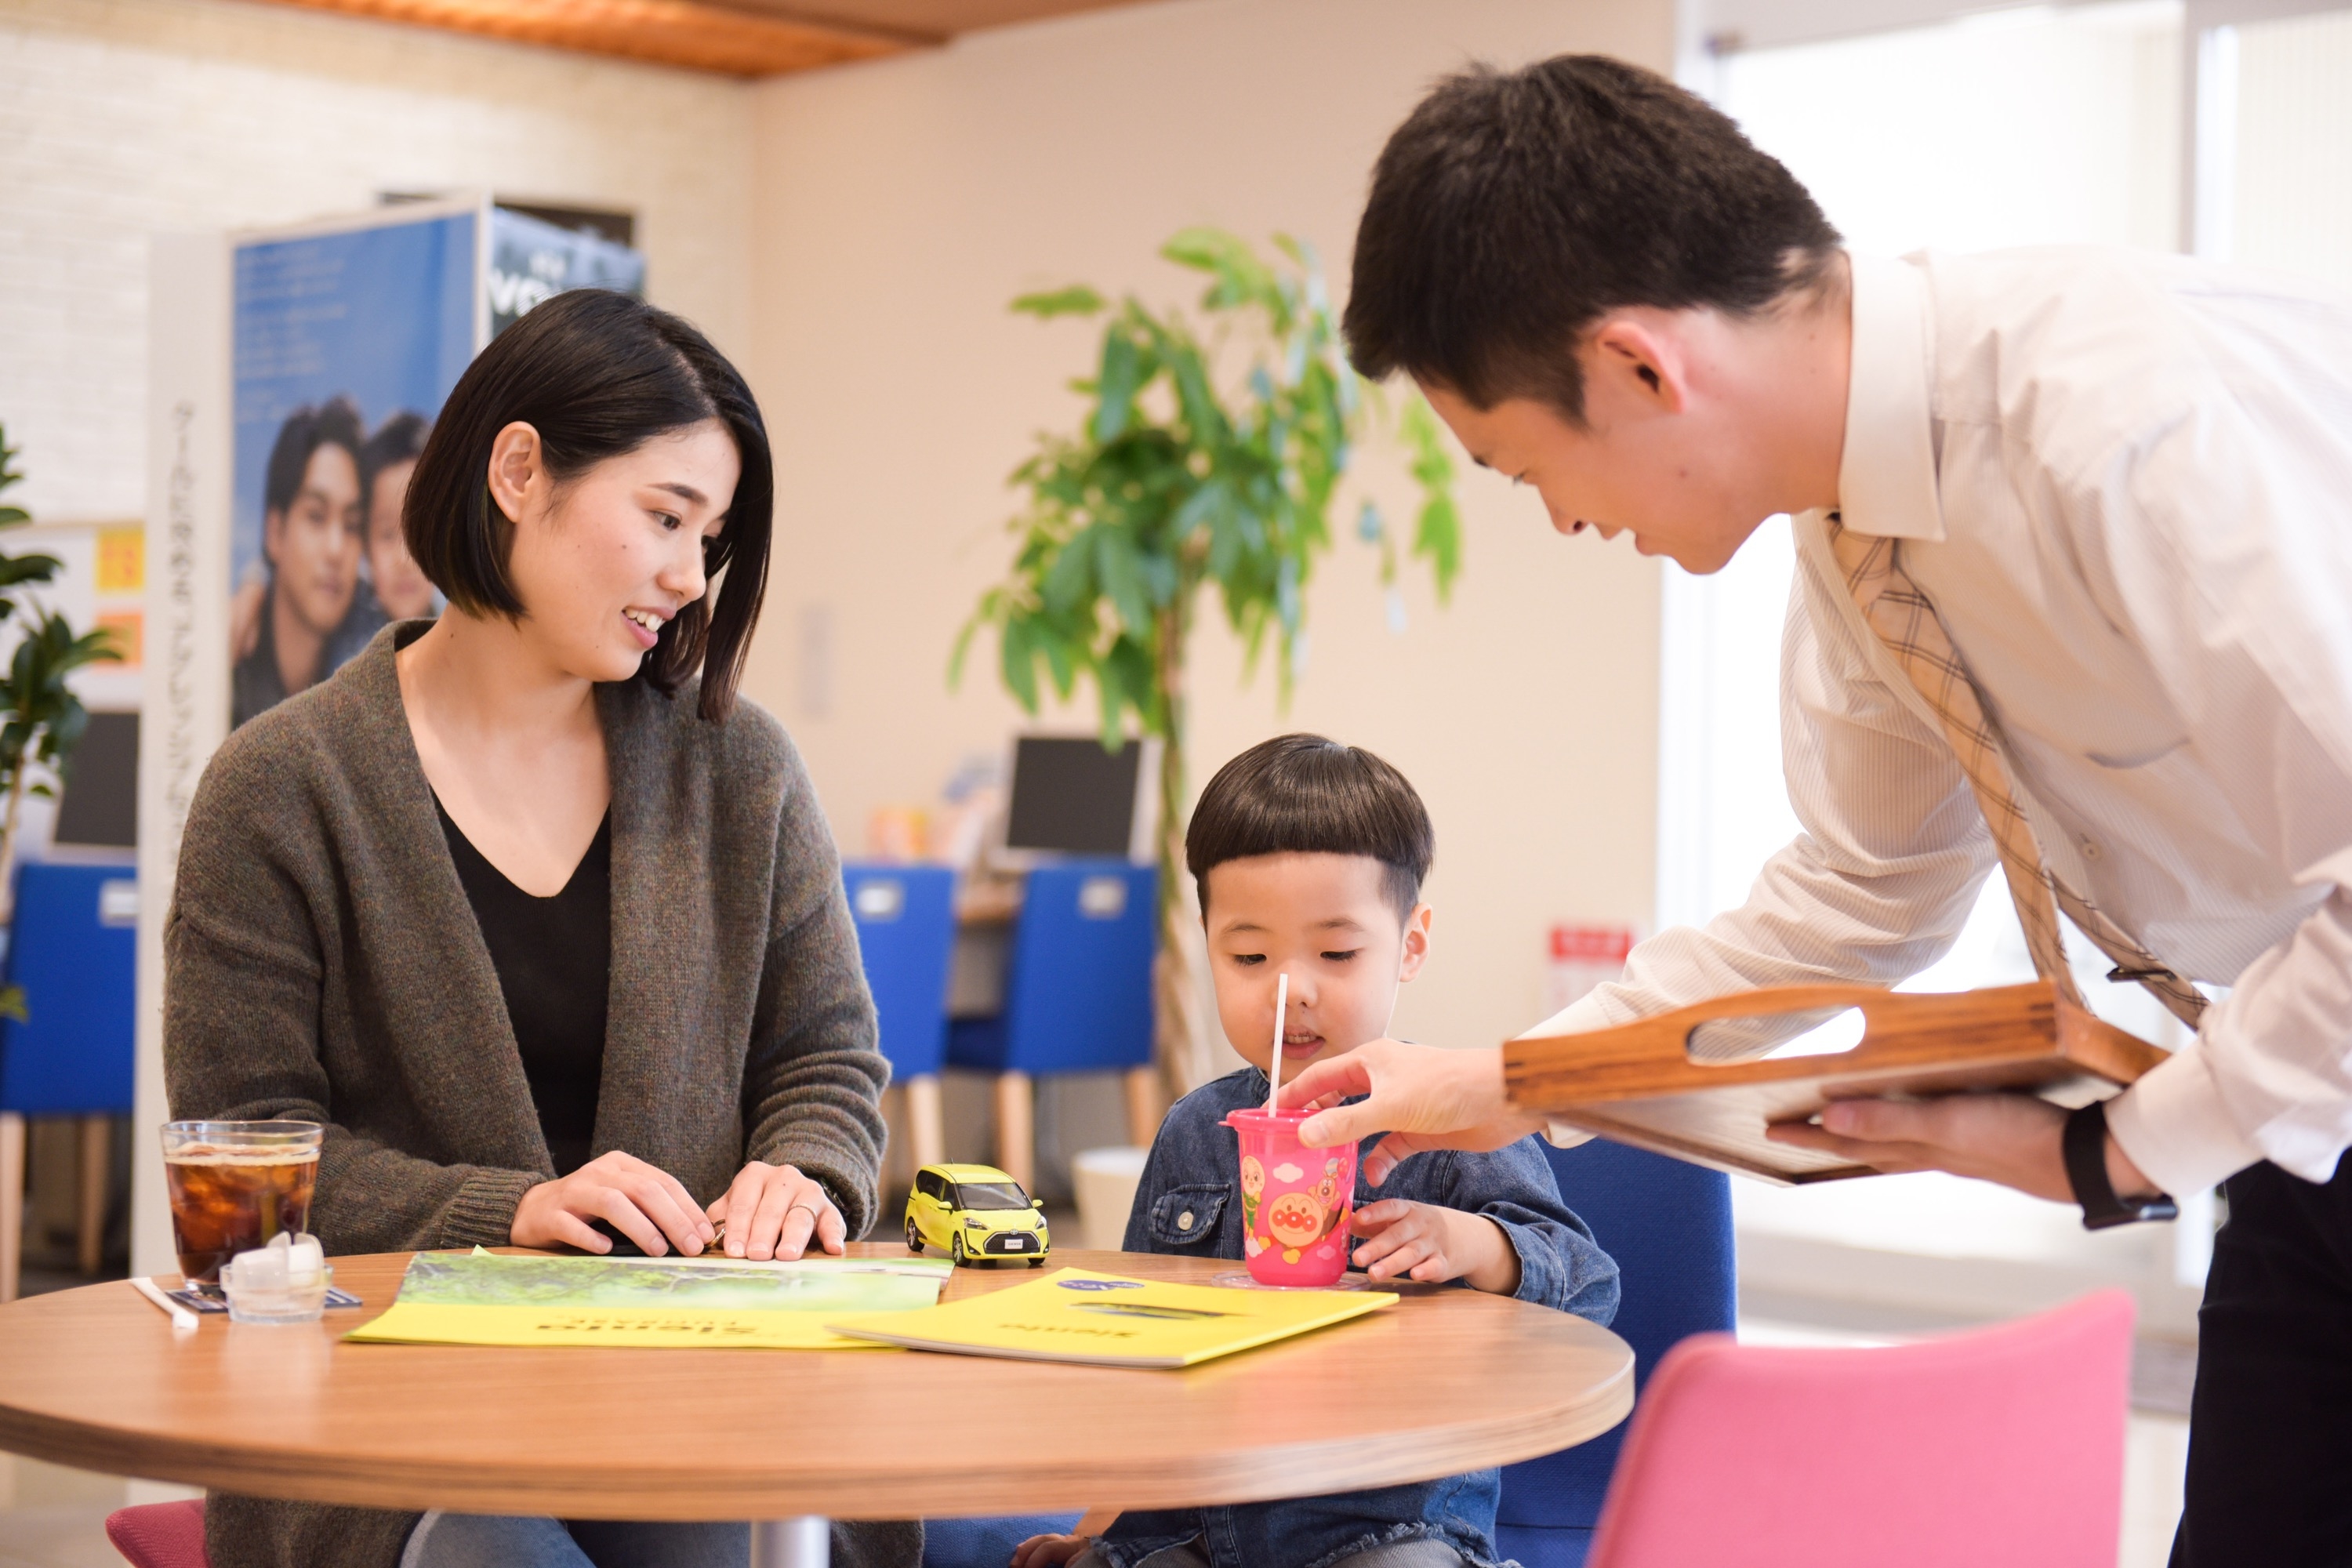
x: 597, y: 374
x: 1302, y: 795
x: 1512, y: 210
x: 397, y: 441
x: 334, y: 423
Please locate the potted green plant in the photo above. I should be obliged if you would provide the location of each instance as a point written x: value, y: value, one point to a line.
x: 1204, y: 460
x: 40, y: 718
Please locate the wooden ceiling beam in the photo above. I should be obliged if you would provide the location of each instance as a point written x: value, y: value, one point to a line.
x: 692, y: 33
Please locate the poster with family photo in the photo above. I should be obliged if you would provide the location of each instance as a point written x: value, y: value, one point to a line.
x: 346, y: 340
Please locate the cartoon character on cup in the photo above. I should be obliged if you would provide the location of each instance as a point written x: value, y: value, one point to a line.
x: 1252, y: 1183
x: 1298, y: 1221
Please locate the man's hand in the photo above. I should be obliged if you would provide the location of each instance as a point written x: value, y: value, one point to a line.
x: 2011, y: 1139
x: 1430, y: 1244
x: 773, y: 1211
x: 644, y: 1203
x: 1423, y: 1097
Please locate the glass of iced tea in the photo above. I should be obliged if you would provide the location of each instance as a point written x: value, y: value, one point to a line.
x: 235, y: 1185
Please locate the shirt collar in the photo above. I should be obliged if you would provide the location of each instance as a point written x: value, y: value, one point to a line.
x: 1886, y: 477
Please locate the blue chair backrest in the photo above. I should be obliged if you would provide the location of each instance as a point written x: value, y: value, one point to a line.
x: 905, y: 936
x: 74, y: 948
x: 1668, y: 1225
x: 1078, y: 993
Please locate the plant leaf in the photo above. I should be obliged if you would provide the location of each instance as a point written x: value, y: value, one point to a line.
x: 1077, y: 300
x: 1121, y: 374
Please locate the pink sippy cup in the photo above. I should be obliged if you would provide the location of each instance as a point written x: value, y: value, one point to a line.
x: 1295, y: 1200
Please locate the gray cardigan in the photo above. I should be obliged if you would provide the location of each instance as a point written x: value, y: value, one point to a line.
x: 321, y: 961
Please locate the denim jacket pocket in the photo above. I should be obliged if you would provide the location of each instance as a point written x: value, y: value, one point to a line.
x: 1187, y: 1216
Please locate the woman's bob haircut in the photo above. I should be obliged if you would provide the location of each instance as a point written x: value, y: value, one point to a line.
x: 597, y: 374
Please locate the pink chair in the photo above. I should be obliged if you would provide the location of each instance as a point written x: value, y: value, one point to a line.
x: 160, y: 1534
x: 2004, y: 1445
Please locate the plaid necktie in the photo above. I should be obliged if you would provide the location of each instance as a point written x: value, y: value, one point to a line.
x: 1907, y: 623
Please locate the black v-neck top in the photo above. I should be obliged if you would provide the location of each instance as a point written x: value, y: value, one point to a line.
x: 554, y: 959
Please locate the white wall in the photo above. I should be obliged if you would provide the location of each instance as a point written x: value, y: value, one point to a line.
x: 898, y: 205
x: 123, y: 118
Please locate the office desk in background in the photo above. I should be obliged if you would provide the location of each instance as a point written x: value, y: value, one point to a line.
x: 1062, y: 986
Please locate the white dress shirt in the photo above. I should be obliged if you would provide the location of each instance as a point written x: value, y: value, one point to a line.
x: 2126, y: 481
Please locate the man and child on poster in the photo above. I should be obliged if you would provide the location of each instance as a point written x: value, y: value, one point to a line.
x: 333, y: 568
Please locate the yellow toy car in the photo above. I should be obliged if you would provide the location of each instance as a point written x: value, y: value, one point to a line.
x: 974, y: 1214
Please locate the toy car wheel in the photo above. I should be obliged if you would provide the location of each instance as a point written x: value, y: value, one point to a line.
x: 955, y: 1249
x: 1037, y: 1263
x: 914, y: 1236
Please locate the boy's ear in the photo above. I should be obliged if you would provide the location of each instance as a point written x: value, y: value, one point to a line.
x: 1416, y: 942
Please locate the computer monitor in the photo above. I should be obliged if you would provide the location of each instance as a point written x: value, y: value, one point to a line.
x: 1070, y: 796
x: 98, y: 807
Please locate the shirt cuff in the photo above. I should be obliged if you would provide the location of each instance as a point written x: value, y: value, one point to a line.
x: 1579, y: 1018
x: 2174, y: 1126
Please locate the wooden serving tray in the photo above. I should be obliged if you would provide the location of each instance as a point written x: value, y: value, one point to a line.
x: 1638, y: 1084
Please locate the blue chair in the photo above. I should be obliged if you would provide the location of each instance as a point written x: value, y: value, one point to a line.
x: 905, y: 936
x: 1668, y: 1225
x: 986, y: 1542
x: 1078, y: 997
x: 74, y: 948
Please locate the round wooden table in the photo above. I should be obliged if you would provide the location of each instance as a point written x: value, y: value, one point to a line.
x: 1446, y: 1380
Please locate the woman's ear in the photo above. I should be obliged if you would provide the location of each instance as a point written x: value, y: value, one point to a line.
x: 518, y: 469
x: 1416, y: 942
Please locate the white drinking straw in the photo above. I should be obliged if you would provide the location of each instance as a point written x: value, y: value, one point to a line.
x: 181, y: 1316
x: 1281, y: 1005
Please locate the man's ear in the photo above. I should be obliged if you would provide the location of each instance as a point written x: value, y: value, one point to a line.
x: 1629, y: 357
x: 1416, y: 942
x: 517, y: 463
x: 273, y: 533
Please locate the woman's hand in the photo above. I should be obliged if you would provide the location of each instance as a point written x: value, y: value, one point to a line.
x: 1423, y: 1097
x: 1433, y: 1245
x: 642, y: 1202
x: 772, y: 1210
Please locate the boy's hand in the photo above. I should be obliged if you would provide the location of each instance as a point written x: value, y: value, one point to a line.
x: 1049, y: 1551
x: 1425, y: 1242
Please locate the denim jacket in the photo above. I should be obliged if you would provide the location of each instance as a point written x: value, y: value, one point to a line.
x: 1187, y: 1206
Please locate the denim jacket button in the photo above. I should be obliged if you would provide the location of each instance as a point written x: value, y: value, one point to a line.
x: 1185, y: 1220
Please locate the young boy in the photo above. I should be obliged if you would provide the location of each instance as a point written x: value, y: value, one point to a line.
x: 1309, y: 856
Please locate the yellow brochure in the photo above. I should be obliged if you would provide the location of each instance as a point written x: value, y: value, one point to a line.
x: 482, y: 1299
x: 1107, y: 1321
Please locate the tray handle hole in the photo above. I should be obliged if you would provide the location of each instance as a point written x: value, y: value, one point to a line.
x: 1775, y: 1036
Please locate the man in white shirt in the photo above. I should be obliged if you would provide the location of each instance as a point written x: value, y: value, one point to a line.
x: 2116, y: 492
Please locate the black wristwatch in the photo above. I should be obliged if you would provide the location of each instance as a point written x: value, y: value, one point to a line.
x: 2085, y: 1146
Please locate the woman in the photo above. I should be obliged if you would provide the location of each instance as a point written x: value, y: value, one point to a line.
x: 547, y: 932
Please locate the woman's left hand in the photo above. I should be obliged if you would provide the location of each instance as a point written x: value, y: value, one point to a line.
x: 773, y: 1211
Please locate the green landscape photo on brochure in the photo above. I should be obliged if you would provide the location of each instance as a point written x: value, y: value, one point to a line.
x: 654, y: 1303
x: 808, y: 1285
